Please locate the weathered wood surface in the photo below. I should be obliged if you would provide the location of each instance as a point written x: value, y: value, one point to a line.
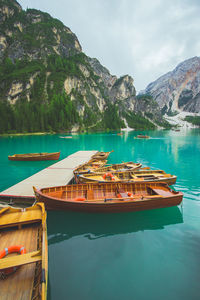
x: 25, y: 282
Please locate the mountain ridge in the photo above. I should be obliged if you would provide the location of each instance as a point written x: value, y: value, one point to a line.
x: 179, y: 89
x: 46, y: 78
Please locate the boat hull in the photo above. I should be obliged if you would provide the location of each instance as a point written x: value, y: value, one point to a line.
x: 131, y: 206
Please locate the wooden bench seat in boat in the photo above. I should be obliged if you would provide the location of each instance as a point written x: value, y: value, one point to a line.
x: 161, y: 192
x: 19, y: 260
x: 18, y: 218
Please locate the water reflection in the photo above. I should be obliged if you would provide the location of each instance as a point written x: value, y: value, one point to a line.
x: 65, y: 225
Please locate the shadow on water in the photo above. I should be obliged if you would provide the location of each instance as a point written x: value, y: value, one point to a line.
x: 65, y: 225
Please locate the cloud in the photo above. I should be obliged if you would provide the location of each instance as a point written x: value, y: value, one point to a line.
x: 144, y: 39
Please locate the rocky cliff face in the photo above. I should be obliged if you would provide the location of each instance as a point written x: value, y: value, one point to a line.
x: 41, y: 58
x: 178, y: 90
x: 33, y: 34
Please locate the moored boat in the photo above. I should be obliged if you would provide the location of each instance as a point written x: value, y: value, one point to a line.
x: 125, y: 166
x: 140, y: 136
x: 35, y: 156
x: 109, y: 197
x: 129, y: 176
x: 101, y: 155
x: 23, y: 232
x: 90, y: 166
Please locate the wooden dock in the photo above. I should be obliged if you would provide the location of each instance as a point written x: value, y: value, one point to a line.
x: 60, y: 173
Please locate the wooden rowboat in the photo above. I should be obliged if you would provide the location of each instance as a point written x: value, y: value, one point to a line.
x: 129, y: 176
x: 109, y: 197
x: 23, y: 232
x: 101, y: 155
x: 101, y: 168
x: 126, y: 166
x: 35, y: 156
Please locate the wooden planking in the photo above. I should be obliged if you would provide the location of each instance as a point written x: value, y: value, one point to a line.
x: 60, y: 173
x: 22, y: 280
x: 162, y: 192
x: 19, y: 217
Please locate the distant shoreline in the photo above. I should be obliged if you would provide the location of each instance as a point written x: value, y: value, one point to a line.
x: 29, y: 133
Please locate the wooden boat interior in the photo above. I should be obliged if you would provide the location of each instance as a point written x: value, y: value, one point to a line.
x: 31, y: 154
x: 150, y: 174
x: 120, y: 167
x: 91, y: 165
x: 143, y: 175
x: 25, y: 228
x: 100, y: 192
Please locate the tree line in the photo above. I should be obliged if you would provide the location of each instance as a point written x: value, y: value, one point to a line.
x: 30, y: 116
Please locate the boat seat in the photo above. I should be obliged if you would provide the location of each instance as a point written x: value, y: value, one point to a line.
x: 133, y: 175
x: 162, y: 192
x: 159, y: 191
x: 19, y: 260
x: 146, y: 177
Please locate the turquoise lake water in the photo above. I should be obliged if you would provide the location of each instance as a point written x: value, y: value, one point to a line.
x: 149, y: 255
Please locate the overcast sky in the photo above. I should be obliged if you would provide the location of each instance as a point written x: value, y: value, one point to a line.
x: 143, y: 38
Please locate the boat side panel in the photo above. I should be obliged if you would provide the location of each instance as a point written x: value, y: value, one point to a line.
x: 121, y: 206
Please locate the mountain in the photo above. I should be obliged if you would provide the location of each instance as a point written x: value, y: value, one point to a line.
x: 48, y: 84
x: 178, y: 90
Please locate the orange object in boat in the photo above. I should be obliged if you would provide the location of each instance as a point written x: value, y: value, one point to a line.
x: 6, y: 251
x: 108, y: 175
